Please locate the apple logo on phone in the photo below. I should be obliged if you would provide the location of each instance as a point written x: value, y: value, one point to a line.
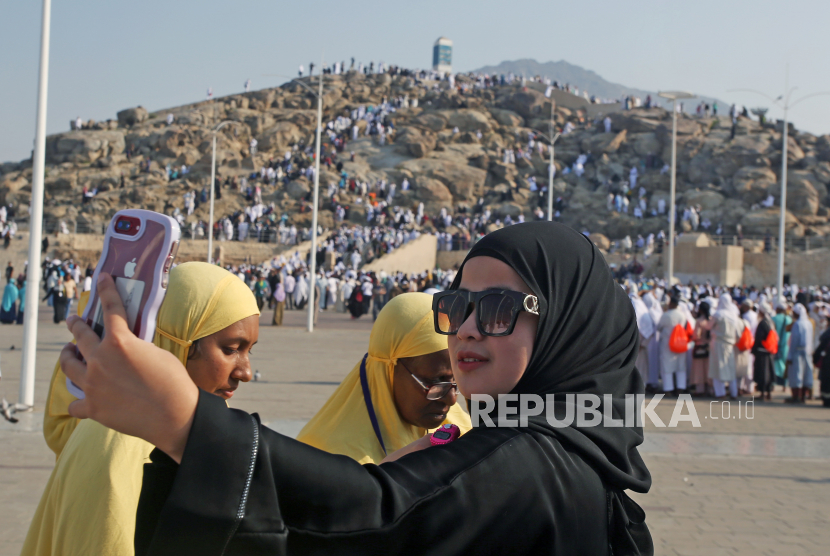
x: 129, y: 269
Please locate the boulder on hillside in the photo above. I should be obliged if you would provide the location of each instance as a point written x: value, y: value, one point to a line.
x: 513, y: 210
x: 433, y: 121
x: 604, y: 142
x: 463, y: 180
x: 297, y: 189
x: 761, y: 222
x: 794, y: 177
x: 506, y: 118
x: 794, y: 152
x: 636, y: 121
x: 823, y: 148
x: 279, y: 137
x: 644, y: 144
x: 132, y: 116
x: 708, y: 200
x: 602, y: 242
x: 528, y: 104
x: 83, y: 146
x: 432, y: 190
x: 822, y: 172
x: 802, y: 197
x: 417, y: 142
x: 753, y: 184
x: 467, y: 120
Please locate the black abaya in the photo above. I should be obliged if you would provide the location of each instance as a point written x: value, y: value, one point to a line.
x: 763, y: 372
x: 244, y: 489
x: 822, y: 359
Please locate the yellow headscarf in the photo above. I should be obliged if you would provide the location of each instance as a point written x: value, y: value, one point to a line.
x: 207, y: 300
x: 89, y: 504
x: 404, y: 328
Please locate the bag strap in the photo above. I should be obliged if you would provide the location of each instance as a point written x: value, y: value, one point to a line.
x: 367, y: 397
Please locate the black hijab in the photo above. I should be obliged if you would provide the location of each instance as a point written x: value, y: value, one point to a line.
x: 586, y: 342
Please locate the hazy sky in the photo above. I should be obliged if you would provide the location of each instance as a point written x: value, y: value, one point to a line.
x: 109, y: 55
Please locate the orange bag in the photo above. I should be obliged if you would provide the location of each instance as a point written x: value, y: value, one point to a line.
x: 771, y: 342
x: 746, y: 341
x: 679, y: 340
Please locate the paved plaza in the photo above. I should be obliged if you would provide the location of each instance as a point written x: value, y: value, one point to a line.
x: 736, y: 485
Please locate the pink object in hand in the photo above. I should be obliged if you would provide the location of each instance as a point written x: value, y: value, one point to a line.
x: 445, y: 434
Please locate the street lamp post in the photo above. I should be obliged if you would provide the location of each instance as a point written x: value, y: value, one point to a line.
x: 316, y: 195
x: 551, y: 169
x: 552, y: 139
x: 313, y: 265
x: 785, y: 105
x: 27, y: 371
x: 673, y: 96
x: 213, y: 187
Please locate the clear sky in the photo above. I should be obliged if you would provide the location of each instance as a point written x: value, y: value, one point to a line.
x: 107, y: 55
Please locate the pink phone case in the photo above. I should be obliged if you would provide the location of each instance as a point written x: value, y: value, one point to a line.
x: 139, y: 249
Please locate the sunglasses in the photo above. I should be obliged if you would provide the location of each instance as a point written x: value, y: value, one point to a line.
x: 436, y: 390
x: 496, y: 310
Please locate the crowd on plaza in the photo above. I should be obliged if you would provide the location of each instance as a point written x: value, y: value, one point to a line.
x: 702, y: 339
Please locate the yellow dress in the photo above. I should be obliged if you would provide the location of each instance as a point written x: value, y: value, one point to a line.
x: 404, y: 328
x: 89, y: 505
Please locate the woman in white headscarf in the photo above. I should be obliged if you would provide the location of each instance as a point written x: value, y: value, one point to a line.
x: 647, y: 331
x: 726, y: 331
x: 656, y: 313
x: 800, y: 356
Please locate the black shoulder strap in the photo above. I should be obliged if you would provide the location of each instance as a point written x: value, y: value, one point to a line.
x: 367, y: 397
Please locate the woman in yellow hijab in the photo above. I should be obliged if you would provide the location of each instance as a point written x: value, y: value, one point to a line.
x: 210, y: 320
x: 407, y: 364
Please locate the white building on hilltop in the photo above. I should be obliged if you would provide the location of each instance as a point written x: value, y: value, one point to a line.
x: 442, y: 55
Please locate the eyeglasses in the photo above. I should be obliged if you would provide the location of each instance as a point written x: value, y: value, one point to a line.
x: 436, y: 390
x: 496, y: 310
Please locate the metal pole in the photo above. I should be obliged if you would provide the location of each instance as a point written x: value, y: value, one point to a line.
x: 781, y: 222
x: 672, y: 211
x: 212, y: 199
x: 550, y: 168
x: 27, y: 370
x: 313, y: 272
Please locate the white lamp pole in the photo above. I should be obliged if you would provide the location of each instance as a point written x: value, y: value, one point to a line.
x: 552, y: 138
x: 314, y: 210
x: 785, y: 105
x: 783, y: 216
x: 673, y: 96
x: 313, y: 265
x: 27, y: 371
x: 213, y: 187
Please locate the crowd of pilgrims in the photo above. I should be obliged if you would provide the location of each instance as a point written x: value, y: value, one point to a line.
x: 284, y: 283
x: 705, y: 339
x: 262, y: 222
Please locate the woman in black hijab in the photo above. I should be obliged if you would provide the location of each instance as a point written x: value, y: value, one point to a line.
x: 243, y: 489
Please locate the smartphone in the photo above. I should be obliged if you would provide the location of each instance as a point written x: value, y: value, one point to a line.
x: 139, y: 249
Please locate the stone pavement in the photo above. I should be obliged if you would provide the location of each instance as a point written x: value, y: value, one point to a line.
x: 744, y: 485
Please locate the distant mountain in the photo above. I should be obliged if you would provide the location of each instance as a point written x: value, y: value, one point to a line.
x: 585, y: 79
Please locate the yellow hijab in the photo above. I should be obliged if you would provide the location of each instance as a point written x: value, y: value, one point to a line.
x: 90, y: 501
x: 404, y: 328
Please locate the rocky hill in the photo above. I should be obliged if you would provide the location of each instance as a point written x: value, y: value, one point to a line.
x: 450, y: 147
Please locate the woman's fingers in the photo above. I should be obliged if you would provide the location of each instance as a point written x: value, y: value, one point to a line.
x: 115, y: 316
x: 73, y: 367
x: 87, y: 340
x: 79, y: 409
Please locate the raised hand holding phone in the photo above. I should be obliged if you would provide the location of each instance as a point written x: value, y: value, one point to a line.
x: 131, y: 385
x: 139, y: 249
